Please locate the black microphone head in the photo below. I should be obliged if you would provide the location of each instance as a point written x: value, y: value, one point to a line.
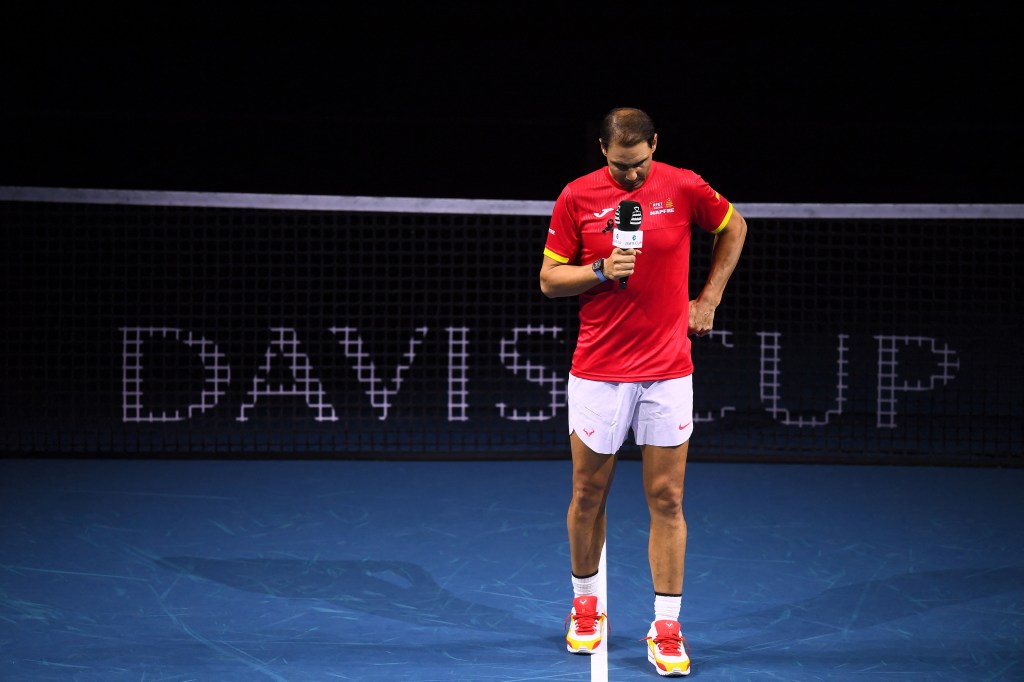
x: 629, y: 215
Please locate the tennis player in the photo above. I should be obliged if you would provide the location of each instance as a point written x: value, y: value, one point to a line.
x: 632, y: 368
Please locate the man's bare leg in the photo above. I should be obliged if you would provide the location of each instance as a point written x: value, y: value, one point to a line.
x: 664, y: 469
x: 592, y: 475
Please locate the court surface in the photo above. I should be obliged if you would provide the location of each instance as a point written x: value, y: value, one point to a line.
x: 321, y: 570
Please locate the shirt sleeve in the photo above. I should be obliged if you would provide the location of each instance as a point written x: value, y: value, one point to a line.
x: 711, y: 210
x: 563, y: 240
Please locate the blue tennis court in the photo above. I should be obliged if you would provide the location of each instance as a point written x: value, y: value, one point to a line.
x: 318, y: 570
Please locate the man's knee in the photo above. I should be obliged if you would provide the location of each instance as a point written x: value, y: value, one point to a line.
x: 666, y: 500
x: 588, y: 494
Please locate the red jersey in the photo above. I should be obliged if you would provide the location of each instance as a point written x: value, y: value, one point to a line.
x: 638, y: 333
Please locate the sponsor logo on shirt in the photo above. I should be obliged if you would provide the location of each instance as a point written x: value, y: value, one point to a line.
x: 660, y: 207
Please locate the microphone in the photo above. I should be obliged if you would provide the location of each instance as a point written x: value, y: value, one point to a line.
x: 627, y: 235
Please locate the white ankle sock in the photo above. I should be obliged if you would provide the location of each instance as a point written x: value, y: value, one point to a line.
x: 582, y: 587
x: 667, y: 606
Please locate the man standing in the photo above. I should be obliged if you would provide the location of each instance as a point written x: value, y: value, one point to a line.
x: 631, y: 367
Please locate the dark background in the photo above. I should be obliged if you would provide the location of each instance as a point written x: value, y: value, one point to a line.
x: 795, y: 105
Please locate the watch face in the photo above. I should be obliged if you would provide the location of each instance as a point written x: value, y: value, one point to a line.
x: 599, y: 264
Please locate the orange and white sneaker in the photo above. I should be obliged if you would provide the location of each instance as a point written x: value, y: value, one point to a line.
x: 666, y: 649
x: 586, y: 626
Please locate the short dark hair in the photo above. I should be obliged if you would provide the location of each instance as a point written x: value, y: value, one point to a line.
x: 627, y: 126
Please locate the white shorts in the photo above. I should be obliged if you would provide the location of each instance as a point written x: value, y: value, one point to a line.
x: 602, y: 412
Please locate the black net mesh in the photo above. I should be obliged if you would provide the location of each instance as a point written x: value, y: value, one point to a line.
x: 199, y: 331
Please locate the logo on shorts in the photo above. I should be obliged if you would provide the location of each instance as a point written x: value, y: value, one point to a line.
x: 682, y: 427
x: 589, y: 432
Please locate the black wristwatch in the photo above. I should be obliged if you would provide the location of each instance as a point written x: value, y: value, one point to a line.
x: 599, y: 269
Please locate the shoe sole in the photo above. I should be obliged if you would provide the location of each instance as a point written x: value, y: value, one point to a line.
x: 674, y: 672
x: 583, y: 651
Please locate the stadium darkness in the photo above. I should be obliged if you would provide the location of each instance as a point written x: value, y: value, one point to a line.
x: 794, y: 107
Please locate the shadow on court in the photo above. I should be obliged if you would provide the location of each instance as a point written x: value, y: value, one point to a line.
x: 394, y: 589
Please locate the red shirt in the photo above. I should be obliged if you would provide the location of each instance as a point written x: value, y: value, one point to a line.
x: 638, y: 333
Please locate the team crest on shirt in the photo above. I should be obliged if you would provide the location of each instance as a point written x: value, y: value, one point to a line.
x: 660, y: 207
